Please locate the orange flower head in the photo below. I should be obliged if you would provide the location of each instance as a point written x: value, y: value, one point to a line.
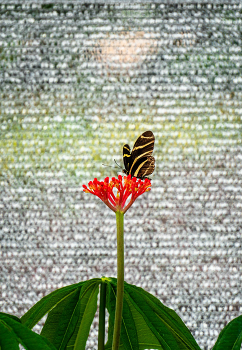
x: 118, y: 194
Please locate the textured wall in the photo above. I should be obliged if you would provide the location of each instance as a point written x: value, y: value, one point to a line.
x: 77, y: 81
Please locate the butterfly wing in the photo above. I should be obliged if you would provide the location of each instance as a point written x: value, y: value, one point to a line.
x: 126, y: 158
x: 143, y: 148
x: 143, y: 167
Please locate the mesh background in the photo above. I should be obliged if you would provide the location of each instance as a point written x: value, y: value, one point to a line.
x: 77, y: 81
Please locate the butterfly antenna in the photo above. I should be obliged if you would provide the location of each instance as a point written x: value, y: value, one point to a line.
x: 110, y: 166
x: 117, y: 164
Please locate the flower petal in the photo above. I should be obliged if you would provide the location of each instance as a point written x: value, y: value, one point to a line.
x: 125, y: 187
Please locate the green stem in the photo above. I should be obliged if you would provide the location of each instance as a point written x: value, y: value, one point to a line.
x: 120, y: 280
x: 101, y: 328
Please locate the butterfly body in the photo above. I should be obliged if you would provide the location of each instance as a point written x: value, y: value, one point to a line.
x: 140, y: 162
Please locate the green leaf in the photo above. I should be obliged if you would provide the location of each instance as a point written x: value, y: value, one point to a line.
x: 8, y: 339
x: 146, y: 323
x: 68, y: 323
x: 47, y: 303
x: 230, y: 337
x: 51, y: 324
x: 88, y: 308
x: 12, y: 333
x: 146, y: 337
x: 169, y: 317
x: 128, y: 337
x: 11, y: 316
x: 62, y: 320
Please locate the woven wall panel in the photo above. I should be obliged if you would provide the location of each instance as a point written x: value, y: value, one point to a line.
x: 77, y: 81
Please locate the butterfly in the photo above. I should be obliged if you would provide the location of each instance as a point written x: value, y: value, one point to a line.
x: 140, y: 162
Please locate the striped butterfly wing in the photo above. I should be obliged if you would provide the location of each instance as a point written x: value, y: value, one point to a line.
x: 141, y: 162
x: 144, y: 145
x: 126, y: 158
x: 143, y: 167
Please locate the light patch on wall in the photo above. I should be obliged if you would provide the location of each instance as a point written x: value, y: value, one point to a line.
x: 126, y: 48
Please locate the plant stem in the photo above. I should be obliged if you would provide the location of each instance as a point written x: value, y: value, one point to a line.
x: 120, y: 280
x: 101, y: 328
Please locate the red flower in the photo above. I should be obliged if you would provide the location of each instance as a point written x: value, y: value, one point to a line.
x: 118, y: 194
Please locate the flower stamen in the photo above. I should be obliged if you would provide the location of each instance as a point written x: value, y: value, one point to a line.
x: 125, y: 188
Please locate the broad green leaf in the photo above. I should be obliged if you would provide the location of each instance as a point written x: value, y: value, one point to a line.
x: 157, y: 327
x: 51, y: 324
x: 169, y: 317
x: 62, y: 320
x: 11, y: 316
x: 22, y: 335
x: 88, y: 308
x: 8, y: 339
x: 111, y: 305
x: 128, y: 337
x: 146, y: 337
x: 46, y: 304
x: 132, y: 337
x: 230, y: 337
